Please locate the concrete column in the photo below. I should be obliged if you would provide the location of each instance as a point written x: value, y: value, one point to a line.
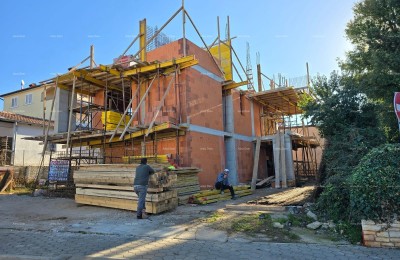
x: 253, y: 133
x: 283, y: 160
x: 277, y: 158
x: 61, y: 111
x: 231, y: 159
x: 289, y: 158
x: 230, y: 142
x: 229, y: 120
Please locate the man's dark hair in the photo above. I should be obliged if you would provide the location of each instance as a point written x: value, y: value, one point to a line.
x: 143, y: 161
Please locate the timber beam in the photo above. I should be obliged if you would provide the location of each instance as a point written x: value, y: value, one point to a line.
x: 184, y: 61
x: 232, y: 85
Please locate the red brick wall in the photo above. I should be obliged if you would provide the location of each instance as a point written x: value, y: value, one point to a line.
x: 203, y: 100
x: 174, y: 50
x: 96, y: 117
x: 197, y: 95
x: 242, y: 115
x: 257, y: 118
x: 245, y: 155
x: 208, y: 153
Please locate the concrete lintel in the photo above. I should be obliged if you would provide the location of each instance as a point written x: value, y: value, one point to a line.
x: 207, y: 73
x: 211, y: 131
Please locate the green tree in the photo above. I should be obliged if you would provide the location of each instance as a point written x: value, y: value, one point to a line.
x: 374, y: 63
x: 347, y: 121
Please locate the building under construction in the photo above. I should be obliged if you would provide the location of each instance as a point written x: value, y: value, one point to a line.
x: 179, y: 103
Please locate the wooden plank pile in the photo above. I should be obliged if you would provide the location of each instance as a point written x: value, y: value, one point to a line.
x: 187, y: 183
x: 210, y: 196
x: 112, y: 186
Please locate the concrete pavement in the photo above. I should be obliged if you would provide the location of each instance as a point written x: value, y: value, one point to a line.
x: 54, y: 228
x: 191, y: 243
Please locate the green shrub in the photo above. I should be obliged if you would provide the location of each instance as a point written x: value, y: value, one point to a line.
x: 375, y: 185
x: 334, y: 201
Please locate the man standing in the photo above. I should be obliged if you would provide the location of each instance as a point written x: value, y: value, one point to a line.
x: 143, y: 172
x: 222, y: 183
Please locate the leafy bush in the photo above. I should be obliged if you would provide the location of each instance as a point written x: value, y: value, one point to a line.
x: 375, y: 191
x: 334, y: 201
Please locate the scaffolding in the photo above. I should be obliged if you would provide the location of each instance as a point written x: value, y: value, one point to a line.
x: 280, y: 113
x: 106, y: 101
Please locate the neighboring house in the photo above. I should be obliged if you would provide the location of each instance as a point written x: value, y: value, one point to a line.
x: 29, y: 101
x: 20, y: 152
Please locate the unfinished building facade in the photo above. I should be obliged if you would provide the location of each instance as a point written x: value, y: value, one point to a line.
x: 176, y: 104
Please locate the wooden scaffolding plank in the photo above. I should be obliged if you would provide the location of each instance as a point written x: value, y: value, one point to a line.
x: 151, y: 207
x: 130, y: 195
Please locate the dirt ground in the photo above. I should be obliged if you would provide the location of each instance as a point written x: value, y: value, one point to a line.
x: 64, y: 215
x: 288, y: 197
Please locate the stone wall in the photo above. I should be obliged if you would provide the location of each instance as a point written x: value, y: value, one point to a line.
x: 381, y: 235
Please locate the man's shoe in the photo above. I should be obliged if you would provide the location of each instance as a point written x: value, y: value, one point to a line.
x: 144, y: 215
x: 234, y: 197
x: 139, y: 217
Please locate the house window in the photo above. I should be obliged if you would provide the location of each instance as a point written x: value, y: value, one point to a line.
x: 28, y: 99
x: 14, y: 102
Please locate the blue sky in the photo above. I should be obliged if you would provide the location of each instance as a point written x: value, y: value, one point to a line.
x: 41, y: 38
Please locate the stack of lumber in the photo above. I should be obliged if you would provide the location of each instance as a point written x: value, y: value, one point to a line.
x: 111, y: 185
x: 187, y: 183
x: 161, y: 158
x: 110, y: 119
x: 210, y: 196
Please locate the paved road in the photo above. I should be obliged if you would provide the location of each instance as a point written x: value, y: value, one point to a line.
x: 33, y: 244
x: 55, y: 228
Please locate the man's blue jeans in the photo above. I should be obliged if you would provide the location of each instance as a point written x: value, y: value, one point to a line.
x: 141, y: 191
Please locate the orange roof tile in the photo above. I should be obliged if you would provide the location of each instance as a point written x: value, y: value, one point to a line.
x: 21, y: 118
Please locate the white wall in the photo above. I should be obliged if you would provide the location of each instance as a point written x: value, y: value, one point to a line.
x: 35, y: 109
x: 6, y: 129
x: 28, y: 153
